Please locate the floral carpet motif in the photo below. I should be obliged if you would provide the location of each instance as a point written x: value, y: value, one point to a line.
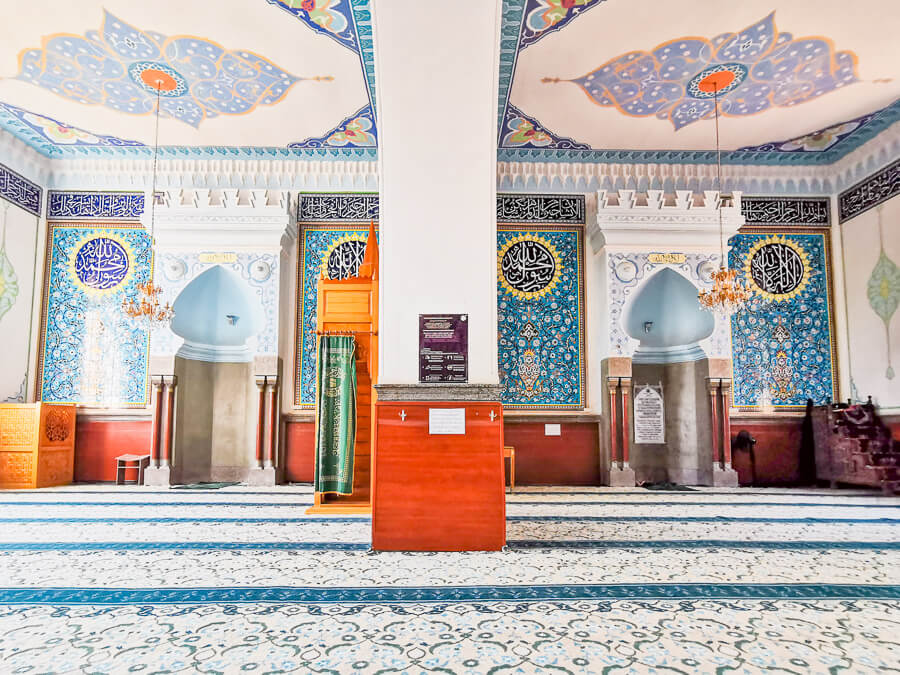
x: 803, y: 591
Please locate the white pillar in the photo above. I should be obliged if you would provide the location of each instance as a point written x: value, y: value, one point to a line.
x: 436, y: 74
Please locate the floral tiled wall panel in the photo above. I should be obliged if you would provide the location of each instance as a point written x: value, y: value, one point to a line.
x: 540, y: 316
x: 91, y: 353
x: 783, y: 341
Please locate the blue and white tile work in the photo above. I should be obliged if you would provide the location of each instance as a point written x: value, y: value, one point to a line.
x: 90, y: 353
x: 130, y: 579
x: 174, y: 270
x: 627, y: 271
x: 783, y: 341
x: 337, y: 250
x: 540, y: 316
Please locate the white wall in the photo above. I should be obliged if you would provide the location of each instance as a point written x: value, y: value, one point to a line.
x: 870, y: 340
x: 437, y: 109
x: 17, y: 285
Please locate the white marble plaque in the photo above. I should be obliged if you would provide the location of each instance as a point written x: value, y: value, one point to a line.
x: 446, y: 421
x: 649, y: 416
x: 552, y: 430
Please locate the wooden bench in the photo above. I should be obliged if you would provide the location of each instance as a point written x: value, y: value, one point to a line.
x: 125, y: 462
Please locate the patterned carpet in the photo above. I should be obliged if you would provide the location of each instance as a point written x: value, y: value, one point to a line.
x: 99, y: 579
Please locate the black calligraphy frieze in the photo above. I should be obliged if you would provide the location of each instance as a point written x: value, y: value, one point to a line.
x: 345, y: 259
x: 779, y: 211
x: 528, y: 266
x: 877, y: 188
x: 101, y: 263
x: 20, y: 191
x: 523, y: 208
x: 344, y: 207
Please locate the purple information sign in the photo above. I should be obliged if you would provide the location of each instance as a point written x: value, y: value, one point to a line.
x: 443, y: 347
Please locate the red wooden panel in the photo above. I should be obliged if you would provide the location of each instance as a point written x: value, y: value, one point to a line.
x: 778, y: 444
x: 299, y: 452
x: 438, y: 492
x: 99, y: 442
x: 572, y: 458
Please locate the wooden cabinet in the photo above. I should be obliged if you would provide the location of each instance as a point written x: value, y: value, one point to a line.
x: 840, y: 443
x: 37, y: 444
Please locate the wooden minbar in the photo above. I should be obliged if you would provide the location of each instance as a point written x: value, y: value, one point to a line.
x: 350, y: 307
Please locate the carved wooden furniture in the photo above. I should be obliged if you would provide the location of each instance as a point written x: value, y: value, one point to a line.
x: 853, y: 445
x: 350, y: 307
x: 37, y: 444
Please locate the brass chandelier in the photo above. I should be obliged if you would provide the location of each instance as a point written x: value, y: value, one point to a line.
x: 728, y: 294
x: 147, y: 308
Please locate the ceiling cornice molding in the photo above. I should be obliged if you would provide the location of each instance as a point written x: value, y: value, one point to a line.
x: 590, y: 177
x: 23, y: 159
x: 283, y: 174
x: 867, y: 159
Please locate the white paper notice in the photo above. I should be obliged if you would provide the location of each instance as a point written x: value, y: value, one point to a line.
x: 552, y: 430
x: 446, y: 421
x: 649, y: 417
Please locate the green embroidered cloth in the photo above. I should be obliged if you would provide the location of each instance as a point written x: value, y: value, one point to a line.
x: 336, y: 413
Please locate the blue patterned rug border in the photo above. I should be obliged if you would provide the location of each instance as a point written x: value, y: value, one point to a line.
x: 7, y: 547
x: 509, y: 503
x: 548, y: 519
x: 183, y: 546
x: 701, y: 543
x: 453, y: 594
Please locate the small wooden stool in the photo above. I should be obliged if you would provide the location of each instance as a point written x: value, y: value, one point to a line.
x: 124, y: 462
x: 510, y: 451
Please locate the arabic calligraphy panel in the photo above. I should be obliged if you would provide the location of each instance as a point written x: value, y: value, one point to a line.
x: 524, y: 208
x: 782, y: 342
x: 19, y: 190
x: 540, y: 331
x: 95, y: 205
x: 337, y: 207
x: 90, y: 352
x: 871, y: 192
x: 782, y: 211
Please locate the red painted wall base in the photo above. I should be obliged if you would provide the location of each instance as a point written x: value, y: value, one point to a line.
x: 572, y: 458
x: 99, y: 442
x: 299, y: 451
x: 778, y: 441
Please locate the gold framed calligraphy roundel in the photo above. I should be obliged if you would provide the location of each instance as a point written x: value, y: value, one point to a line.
x: 101, y: 263
x: 528, y: 266
x: 778, y: 268
x: 343, y: 258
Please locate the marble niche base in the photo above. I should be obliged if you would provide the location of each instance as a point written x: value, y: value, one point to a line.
x: 726, y: 477
x: 261, y: 477
x: 157, y: 476
x: 621, y: 476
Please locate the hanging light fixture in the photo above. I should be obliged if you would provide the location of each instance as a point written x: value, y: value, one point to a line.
x: 147, y: 308
x: 728, y: 294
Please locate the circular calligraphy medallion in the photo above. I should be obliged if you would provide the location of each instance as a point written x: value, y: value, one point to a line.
x: 151, y: 74
x: 528, y: 266
x: 716, y: 80
x: 101, y: 264
x: 344, y: 257
x: 778, y: 267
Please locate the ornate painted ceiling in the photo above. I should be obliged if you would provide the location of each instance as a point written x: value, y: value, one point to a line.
x: 798, y: 81
x: 285, y: 77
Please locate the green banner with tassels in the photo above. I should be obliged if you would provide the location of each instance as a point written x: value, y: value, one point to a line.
x: 336, y: 413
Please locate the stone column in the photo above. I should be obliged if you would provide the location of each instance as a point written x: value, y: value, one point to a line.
x: 723, y: 474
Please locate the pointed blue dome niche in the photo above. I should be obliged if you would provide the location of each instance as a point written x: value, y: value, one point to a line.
x: 666, y: 317
x: 215, y: 314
